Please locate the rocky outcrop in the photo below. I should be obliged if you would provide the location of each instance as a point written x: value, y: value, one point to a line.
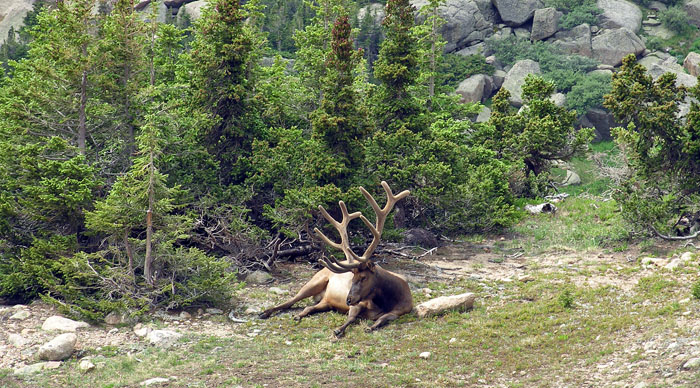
x: 516, y: 78
x: 516, y: 12
x: 12, y: 14
x: 601, y: 120
x: 611, y: 46
x: 575, y: 41
x: 620, y: 13
x: 545, y: 23
x: 669, y: 65
x: 191, y: 10
x: 475, y: 88
x: 375, y: 10
x: 691, y: 63
x: 466, y: 22
x: 692, y: 8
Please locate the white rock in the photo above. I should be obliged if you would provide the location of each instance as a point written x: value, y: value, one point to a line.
x: 154, y: 381
x: 214, y: 311
x: 163, y: 338
x: 572, y: 178
x: 686, y: 257
x: 21, y: 315
x: 142, y: 331
x: 30, y: 369
x: 675, y: 263
x: 693, y: 363
x: 444, y: 303
x: 453, y: 340
x: 17, y: 340
x: 58, y: 348
x: 86, y: 365
x: 424, y: 355
x: 62, y: 324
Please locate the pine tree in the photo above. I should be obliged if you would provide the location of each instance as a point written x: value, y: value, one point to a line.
x: 340, y: 120
x: 397, y: 70
x: 222, y: 75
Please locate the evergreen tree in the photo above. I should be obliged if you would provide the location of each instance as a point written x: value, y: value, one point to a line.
x: 340, y: 120
x: 222, y: 75
x: 397, y: 70
x: 430, y: 48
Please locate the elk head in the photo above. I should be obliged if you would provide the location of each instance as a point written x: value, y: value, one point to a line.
x: 363, y: 283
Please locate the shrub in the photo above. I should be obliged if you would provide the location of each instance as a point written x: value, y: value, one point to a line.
x: 695, y: 289
x: 588, y: 93
x: 676, y: 20
x: 456, y: 68
x: 584, y: 13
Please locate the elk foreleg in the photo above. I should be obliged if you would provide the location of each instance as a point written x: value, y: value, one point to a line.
x: 317, y: 308
x: 352, y: 317
x: 315, y: 286
x: 383, y: 320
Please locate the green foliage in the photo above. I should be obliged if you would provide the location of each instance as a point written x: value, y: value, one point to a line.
x: 660, y: 147
x: 695, y: 289
x: 538, y: 135
x: 676, y: 20
x: 566, y: 299
x: 588, y: 93
x: 456, y: 68
x: 584, y: 12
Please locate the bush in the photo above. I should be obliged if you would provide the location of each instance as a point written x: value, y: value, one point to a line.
x: 695, y: 289
x: 584, y: 13
x: 588, y: 93
x: 456, y: 68
x: 676, y: 20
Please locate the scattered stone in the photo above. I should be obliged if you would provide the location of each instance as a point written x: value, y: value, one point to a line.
x: 163, y: 338
x: 52, y: 365
x: 693, y: 363
x: 154, y: 381
x: 258, y: 277
x: 142, y: 331
x: 278, y: 291
x: 21, y: 315
x: 572, y: 179
x: 424, y: 355
x: 453, y: 340
x: 30, y: 369
x: 59, y: 348
x: 250, y: 310
x: 526, y: 278
x: 214, y: 311
x: 17, y: 340
x: 86, y: 365
x: 185, y: 315
x: 541, y: 208
x: 675, y: 263
x: 444, y: 303
x: 62, y: 324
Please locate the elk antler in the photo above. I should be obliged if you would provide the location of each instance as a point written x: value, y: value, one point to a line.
x: 342, y: 228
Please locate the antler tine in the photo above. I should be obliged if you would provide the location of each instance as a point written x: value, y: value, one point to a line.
x: 381, y: 215
x: 333, y: 265
x: 342, y: 228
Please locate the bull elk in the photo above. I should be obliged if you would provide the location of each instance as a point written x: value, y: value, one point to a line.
x: 356, y: 285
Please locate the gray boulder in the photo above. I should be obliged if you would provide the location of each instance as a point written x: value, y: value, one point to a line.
x: 192, y: 10
x: 692, y: 63
x: 516, y: 12
x: 163, y: 338
x: 545, y: 23
x: 620, y: 13
x: 59, y: 323
x: 692, y: 8
x: 558, y: 99
x: 145, y: 7
x: 467, y: 21
x: 601, y: 120
x: 669, y: 65
x: 258, y: 277
x: 475, y: 88
x: 498, y: 77
x: 59, y: 348
x: 375, y: 10
x: 445, y: 303
x: 575, y: 41
x: 612, y: 46
x: 516, y: 78
x: 12, y: 13
x: 484, y: 115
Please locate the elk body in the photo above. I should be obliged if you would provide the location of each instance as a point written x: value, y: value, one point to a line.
x: 356, y: 285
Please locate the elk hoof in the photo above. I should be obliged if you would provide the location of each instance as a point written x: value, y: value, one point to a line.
x: 264, y: 315
x: 297, y: 318
x: 338, y: 333
x: 369, y: 329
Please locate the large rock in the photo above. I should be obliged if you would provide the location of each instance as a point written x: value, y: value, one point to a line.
x: 58, y: 349
x: 692, y: 8
x: 376, y: 11
x: 515, y: 79
x: 601, y: 120
x: 163, y: 338
x: 466, y: 21
x: 620, y: 13
x: 670, y: 65
x: 516, y: 12
x: 575, y: 41
x: 12, y: 13
x: 692, y: 63
x: 258, y: 277
x: 145, y: 8
x: 475, y: 88
x: 444, y: 303
x: 613, y: 45
x: 191, y: 10
x: 62, y: 324
x: 545, y: 23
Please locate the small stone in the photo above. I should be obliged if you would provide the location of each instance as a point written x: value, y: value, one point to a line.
x: 214, y: 311
x: 17, y: 340
x: 21, y: 315
x: 185, y: 315
x: 113, y: 331
x: 684, y: 301
x: 288, y: 342
x: 675, y: 263
x: 686, y: 257
x: 453, y: 340
x: 278, y: 291
x: 86, y: 365
x: 233, y: 318
x: 58, y: 348
x: 424, y: 355
x: 163, y: 338
x: 641, y: 385
x: 251, y: 310
x: 154, y: 381
x: 384, y: 365
x: 258, y: 277
x: 62, y: 324
x: 441, y: 304
x: 141, y: 331
x: 30, y: 369
x: 52, y: 365
x: 525, y: 278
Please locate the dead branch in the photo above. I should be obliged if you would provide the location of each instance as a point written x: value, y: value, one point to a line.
x: 675, y: 238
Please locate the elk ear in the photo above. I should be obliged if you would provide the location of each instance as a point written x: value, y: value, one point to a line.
x: 371, y: 266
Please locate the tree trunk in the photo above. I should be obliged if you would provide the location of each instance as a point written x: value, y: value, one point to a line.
x: 148, y: 264
x: 129, y: 254
x: 82, y: 115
